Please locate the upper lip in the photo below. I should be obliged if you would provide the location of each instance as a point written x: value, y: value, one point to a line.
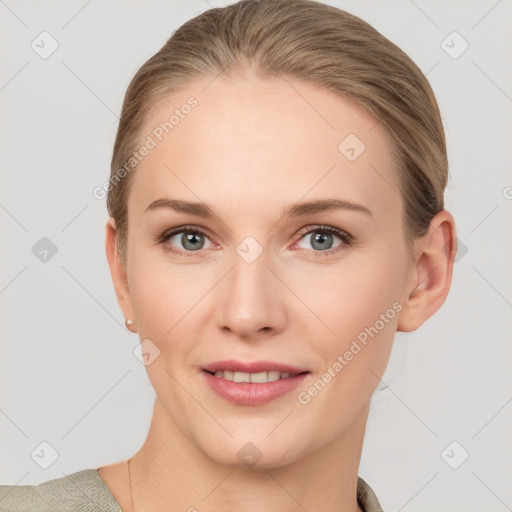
x: 252, y: 367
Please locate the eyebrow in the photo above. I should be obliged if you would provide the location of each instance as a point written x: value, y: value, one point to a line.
x: 294, y: 210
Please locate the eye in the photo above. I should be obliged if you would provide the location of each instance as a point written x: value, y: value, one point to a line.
x: 185, y: 240
x: 323, y: 240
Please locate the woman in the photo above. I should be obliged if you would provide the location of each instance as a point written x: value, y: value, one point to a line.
x: 276, y: 215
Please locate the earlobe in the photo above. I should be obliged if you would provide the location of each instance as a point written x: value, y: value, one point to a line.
x: 117, y: 270
x: 434, y: 258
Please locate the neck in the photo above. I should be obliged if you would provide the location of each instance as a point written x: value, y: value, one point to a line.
x: 170, y: 469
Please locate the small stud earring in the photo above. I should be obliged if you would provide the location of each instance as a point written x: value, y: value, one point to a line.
x: 128, y: 322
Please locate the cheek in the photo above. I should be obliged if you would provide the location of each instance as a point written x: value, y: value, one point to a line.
x: 362, y: 313
x: 356, y: 306
x: 348, y: 296
x: 163, y: 294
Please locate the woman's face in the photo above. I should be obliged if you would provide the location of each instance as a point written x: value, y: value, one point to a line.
x: 259, y: 279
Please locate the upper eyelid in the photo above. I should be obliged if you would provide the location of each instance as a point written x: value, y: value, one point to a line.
x: 183, y: 229
x: 323, y: 227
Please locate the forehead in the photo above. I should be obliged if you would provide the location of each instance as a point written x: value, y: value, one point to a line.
x: 246, y: 137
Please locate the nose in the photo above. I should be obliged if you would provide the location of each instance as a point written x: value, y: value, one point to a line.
x: 251, y: 300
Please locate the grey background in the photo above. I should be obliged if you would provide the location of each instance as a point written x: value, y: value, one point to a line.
x: 68, y: 373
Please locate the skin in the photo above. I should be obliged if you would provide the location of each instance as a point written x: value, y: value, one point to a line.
x: 249, y: 149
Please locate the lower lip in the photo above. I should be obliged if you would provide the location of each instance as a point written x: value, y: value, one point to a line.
x: 251, y: 393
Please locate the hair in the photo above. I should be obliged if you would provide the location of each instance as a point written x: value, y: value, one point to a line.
x: 308, y: 41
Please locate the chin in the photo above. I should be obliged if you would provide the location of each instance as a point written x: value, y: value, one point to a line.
x: 241, y: 453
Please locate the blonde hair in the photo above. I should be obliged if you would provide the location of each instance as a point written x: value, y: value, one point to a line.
x: 313, y: 42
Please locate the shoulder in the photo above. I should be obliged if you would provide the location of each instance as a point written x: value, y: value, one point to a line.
x: 366, y: 497
x: 83, y: 491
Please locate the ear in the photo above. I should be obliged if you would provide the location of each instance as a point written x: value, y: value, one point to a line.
x: 434, y: 255
x: 118, y: 270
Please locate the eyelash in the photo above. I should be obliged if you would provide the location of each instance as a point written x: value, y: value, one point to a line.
x: 346, y: 238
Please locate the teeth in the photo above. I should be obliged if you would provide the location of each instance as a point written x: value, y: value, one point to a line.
x: 253, y: 377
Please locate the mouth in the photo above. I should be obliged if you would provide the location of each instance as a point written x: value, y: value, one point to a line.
x: 252, y: 384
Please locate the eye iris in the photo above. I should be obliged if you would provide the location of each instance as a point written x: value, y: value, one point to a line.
x: 321, y: 237
x: 195, y: 239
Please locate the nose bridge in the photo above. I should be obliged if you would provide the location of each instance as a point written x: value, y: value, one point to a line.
x: 250, y: 272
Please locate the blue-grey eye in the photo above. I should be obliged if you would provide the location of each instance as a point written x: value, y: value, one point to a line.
x: 321, y: 240
x: 189, y: 240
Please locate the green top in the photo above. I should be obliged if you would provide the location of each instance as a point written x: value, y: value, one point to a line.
x: 85, y: 491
